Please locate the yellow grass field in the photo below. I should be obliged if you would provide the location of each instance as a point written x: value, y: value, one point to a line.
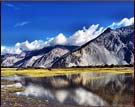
x: 63, y: 71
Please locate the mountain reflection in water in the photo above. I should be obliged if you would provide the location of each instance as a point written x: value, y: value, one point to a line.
x: 95, y: 89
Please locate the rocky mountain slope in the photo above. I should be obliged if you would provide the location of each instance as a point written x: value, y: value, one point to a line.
x: 111, y: 47
x: 10, y: 59
x: 37, y: 58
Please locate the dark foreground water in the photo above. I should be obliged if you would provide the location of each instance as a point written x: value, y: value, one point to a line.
x: 95, y: 89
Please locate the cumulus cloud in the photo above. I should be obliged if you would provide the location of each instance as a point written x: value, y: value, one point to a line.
x: 60, y: 39
x: 37, y: 44
x: 26, y: 46
x: 123, y: 22
x: 19, y: 47
x: 20, y: 24
x: 82, y: 36
x: 10, y: 50
x: 78, y: 38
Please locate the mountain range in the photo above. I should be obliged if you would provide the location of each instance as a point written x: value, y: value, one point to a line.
x: 110, y: 47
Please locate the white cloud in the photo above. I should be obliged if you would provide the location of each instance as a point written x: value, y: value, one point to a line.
x: 59, y: 40
x: 19, y: 47
x: 29, y: 46
x: 11, y: 50
x: 21, y: 24
x: 82, y: 36
x: 78, y: 38
x: 123, y: 22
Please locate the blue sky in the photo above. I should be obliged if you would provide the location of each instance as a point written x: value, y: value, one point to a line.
x: 38, y: 20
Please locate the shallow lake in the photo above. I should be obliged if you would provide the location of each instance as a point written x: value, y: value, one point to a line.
x: 95, y: 89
